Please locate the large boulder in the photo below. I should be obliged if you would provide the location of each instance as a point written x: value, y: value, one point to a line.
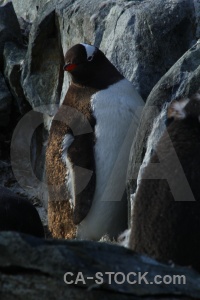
x: 132, y: 34
x: 9, y: 28
x: 5, y: 103
x: 136, y: 47
x: 144, y: 39
x: 42, y: 74
x: 13, y: 61
x: 32, y: 268
x: 28, y: 9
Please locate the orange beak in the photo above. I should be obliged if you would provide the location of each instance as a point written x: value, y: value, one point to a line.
x: 69, y: 67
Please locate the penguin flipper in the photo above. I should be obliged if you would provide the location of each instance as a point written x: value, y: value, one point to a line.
x: 83, y: 200
x: 81, y: 155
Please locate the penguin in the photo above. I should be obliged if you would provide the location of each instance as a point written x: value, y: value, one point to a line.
x: 88, y: 148
x: 18, y: 214
x: 166, y: 215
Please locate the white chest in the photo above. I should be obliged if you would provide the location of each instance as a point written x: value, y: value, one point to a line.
x: 117, y: 111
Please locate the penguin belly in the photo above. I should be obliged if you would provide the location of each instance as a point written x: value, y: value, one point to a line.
x: 117, y: 111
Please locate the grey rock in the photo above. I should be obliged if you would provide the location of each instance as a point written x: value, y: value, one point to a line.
x: 165, y: 30
x: 28, y: 9
x: 32, y: 268
x: 5, y: 103
x: 9, y: 28
x: 181, y: 80
x: 137, y: 42
x: 25, y: 27
x: 197, y: 14
x: 42, y: 74
x: 132, y: 34
x: 13, y: 61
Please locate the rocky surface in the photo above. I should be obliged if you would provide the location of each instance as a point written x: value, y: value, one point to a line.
x: 153, y: 43
x: 32, y: 268
x: 9, y: 28
x: 5, y: 103
x: 132, y: 34
x: 14, y: 57
x: 42, y: 71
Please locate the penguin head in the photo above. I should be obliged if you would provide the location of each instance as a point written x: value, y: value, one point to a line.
x: 79, y: 57
x: 185, y: 108
x: 89, y: 66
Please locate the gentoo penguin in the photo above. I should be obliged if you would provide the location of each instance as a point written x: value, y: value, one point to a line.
x: 166, y: 215
x: 88, y: 148
x: 18, y: 214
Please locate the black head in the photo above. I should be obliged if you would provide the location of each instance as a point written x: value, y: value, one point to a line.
x: 89, y: 66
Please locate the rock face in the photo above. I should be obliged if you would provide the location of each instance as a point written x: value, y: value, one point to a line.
x: 42, y: 74
x: 132, y: 34
x: 9, y: 30
x: 5, y: 103
x: 13, y: 60
x: 5, y: 117
x: 43, y: 264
